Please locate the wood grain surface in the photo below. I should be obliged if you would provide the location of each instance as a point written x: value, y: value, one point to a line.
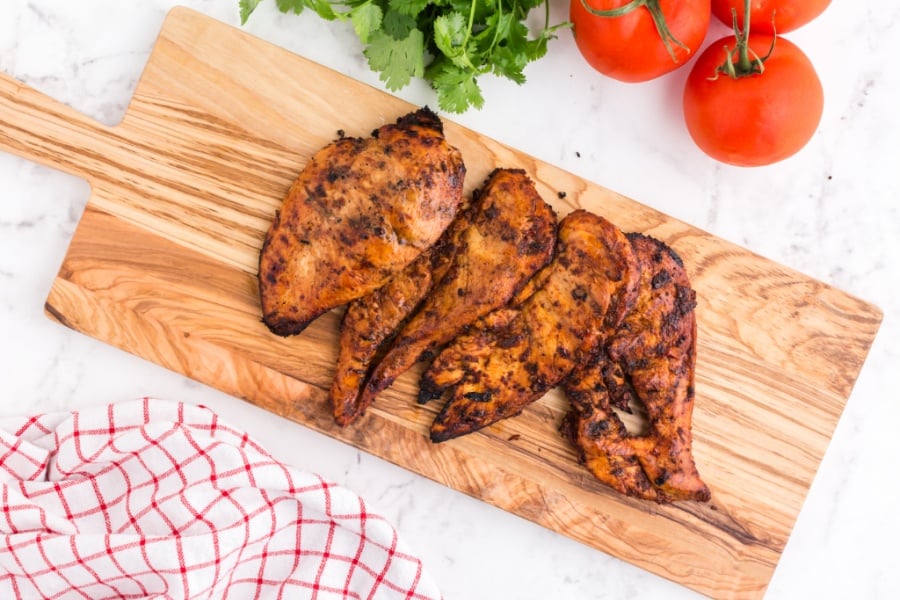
x: 163, y: 265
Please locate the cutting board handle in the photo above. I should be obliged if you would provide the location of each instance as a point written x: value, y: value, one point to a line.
x: 39, y: 128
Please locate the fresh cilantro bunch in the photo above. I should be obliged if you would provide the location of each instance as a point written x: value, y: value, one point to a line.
x: 448, y: 42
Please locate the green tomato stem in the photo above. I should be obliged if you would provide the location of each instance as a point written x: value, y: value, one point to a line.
x: 659, y: 20
x: 745, y: 65
x: 748, y: 62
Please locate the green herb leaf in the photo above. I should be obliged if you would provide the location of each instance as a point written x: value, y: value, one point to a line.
x: 457, y: 89
x: 411, y: 8
x: 397, y: 25
x: 451, y: 33
x: 247, y: 7
x: 366, y: 18
x: 396, y: 61
x: 323, y: 8
x: 294, y: 6
x: 527, y: 5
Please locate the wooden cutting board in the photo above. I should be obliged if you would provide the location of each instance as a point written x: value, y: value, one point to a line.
x: 163, y: 265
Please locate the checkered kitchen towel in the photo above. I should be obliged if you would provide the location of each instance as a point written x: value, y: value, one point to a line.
x: 156, y: 499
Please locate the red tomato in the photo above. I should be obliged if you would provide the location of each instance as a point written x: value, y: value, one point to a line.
x: 629, y: 47
x: 756, y: 119
x: 788, y: 14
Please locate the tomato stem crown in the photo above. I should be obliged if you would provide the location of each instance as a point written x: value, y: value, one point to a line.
x: 748, y: 62
x: 659, y: 20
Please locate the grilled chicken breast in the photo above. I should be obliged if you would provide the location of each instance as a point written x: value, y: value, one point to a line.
x: 510, y: 236
x: 359, y: 212
x: 653, y: 353
x: 514, y: 355
x: 370, y: 322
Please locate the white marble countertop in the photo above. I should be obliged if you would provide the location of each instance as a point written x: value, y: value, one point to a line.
x: 830, y: 212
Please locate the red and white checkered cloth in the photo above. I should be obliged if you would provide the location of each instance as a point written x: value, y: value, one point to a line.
x: 163, y: 500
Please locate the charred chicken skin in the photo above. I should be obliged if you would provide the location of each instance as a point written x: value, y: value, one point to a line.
x: 510, y: 236
x: 514, y: 355
x: 651, y: 356
x: 361, y: 210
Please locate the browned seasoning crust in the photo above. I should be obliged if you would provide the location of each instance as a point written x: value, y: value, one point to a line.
x: 651, y: 357
x: 370, y: 322
x: 361, y: 210
x: 367, y: 323
x: 514, y: 355
x: 510, y: 236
